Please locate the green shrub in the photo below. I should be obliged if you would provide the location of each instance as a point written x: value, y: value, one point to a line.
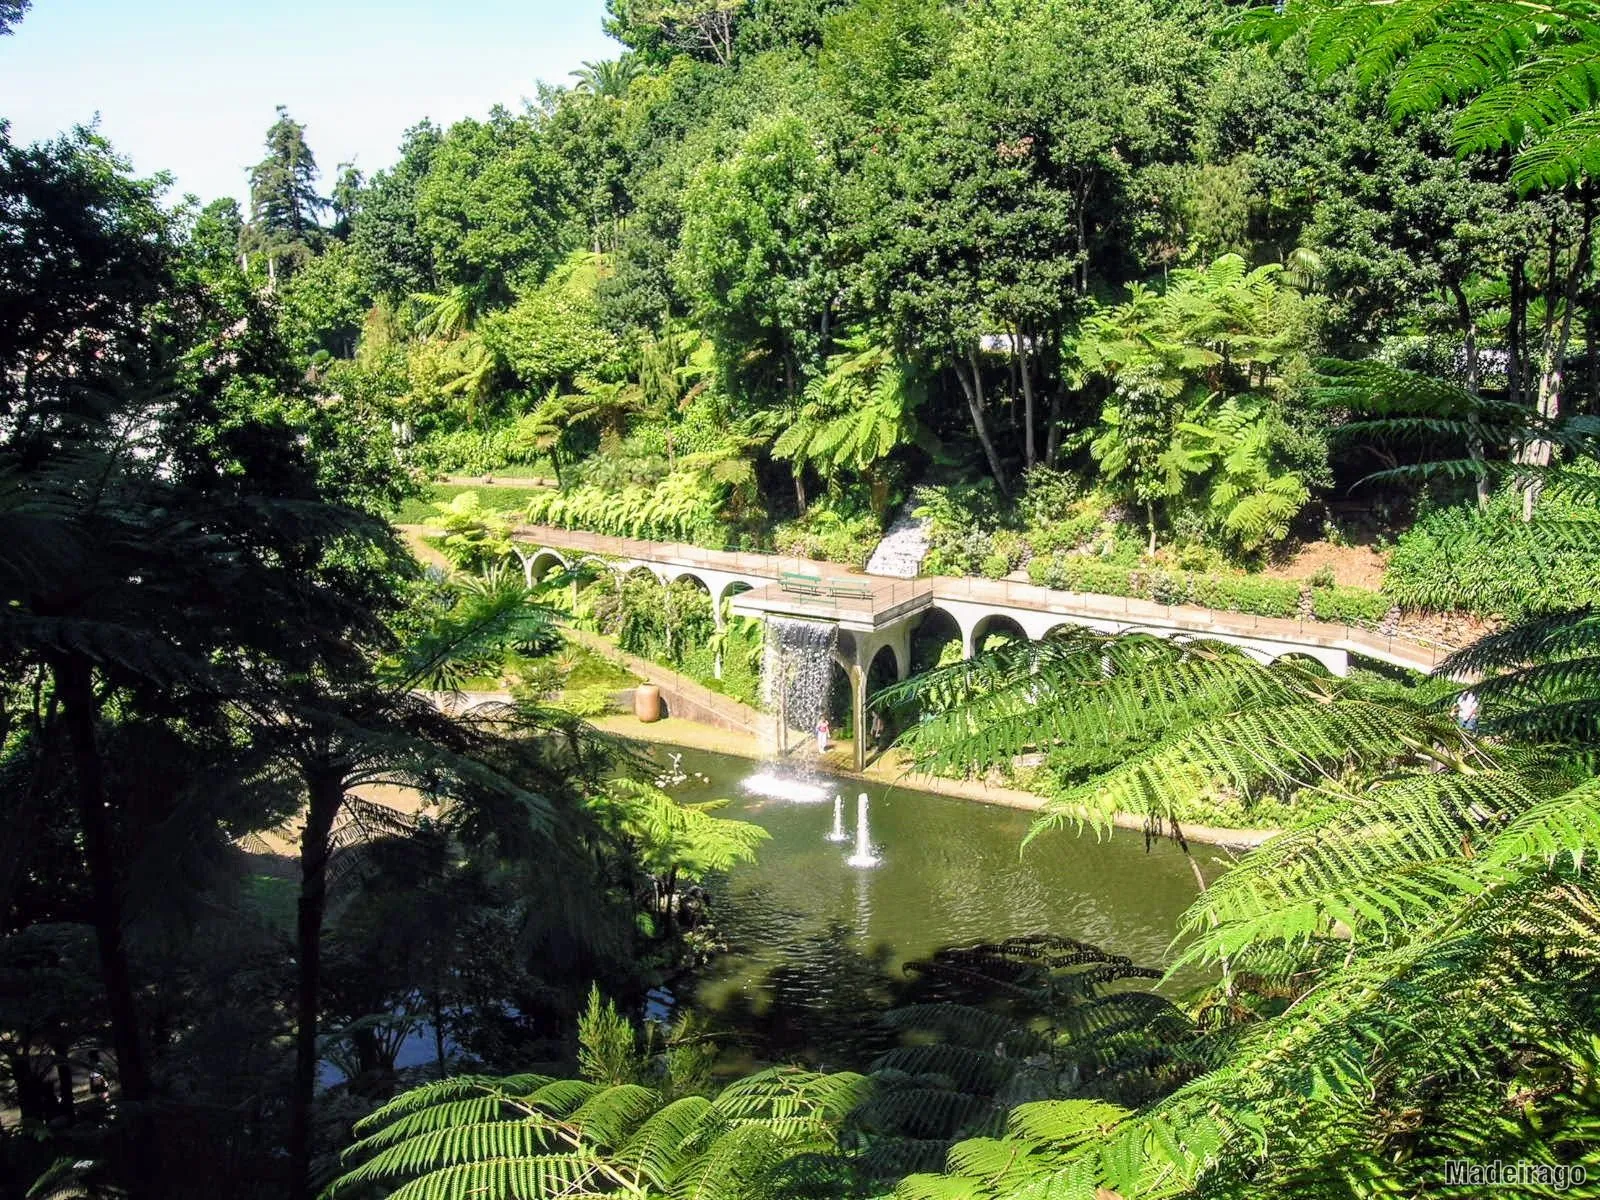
x: 1047, y: 572
x: 468, y: 451
x: 1009, y: 545
x: 661, y: 623
x: 995, y: 566
x: 1166, y: 588
x: 1048, y: 495
x: 1247, y: 594
x: 1090, y: 575
x: 824, y: 533
x: 1458, y: 559
x: 1350, y: 605
x: 684, y: 506
x: 1230, y: 593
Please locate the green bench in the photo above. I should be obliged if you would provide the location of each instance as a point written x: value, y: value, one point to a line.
x: 849, y: 589
x: 804, y: 585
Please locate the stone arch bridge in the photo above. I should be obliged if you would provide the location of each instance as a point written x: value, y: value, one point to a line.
x: 875, y: 616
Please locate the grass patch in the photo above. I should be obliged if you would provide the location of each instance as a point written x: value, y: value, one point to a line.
x: 419, y: 510
x: 592, y: 670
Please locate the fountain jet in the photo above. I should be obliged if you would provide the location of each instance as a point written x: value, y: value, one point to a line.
x: 838, y: 834
x: 774, y: 786
x: 863, y: 857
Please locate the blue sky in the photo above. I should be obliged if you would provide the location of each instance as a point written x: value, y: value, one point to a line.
x: 190, y: 86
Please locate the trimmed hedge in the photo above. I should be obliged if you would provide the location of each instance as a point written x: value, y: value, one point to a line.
x: 1350, y: 605
x: 1247, y: 594
x: 1230, y: 593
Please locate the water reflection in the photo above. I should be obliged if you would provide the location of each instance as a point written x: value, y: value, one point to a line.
x: 817, y: 948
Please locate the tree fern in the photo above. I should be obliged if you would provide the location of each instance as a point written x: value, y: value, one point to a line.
x: 994, y: 1026
x: 529, y: 1137
x: 1524, y: 76
x: 1191, y: 725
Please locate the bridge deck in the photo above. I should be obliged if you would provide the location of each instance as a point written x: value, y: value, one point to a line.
x: 892, y: 600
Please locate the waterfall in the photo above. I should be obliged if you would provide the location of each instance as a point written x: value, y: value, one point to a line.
x: 903, y: 547
x: 797, y: 669
x: 863, y: 857
x: 838, y: 834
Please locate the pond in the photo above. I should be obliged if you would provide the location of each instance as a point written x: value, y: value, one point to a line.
x: 816, y: 947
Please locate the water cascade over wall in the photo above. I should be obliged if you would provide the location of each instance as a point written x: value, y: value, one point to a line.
x: 797, y: 669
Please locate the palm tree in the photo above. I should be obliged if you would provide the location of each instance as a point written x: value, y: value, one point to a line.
x: 609, y: 77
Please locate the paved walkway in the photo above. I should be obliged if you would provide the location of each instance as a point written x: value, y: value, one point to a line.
x: 500, y: 481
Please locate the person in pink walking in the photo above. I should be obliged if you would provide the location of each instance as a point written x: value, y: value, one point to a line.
x: 822, y: 734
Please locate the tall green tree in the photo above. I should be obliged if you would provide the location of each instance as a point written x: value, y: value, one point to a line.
x: 12, y: 11
x: 284, y: 204
x: 166, y: 515
x: 493, y: 204
x: 396, y: 258
x: 1014, y: 189
x: 1518, y: 77
x: 754, y: 254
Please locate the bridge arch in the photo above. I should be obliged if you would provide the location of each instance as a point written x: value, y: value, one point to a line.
x: 542, y: 560
x: 935, y: 629
x: 629, y: 570
x: 690, y: 577
x: 671, y: 576
x: 994, y: 624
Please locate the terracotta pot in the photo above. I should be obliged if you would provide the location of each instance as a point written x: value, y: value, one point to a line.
x: 647, y: 702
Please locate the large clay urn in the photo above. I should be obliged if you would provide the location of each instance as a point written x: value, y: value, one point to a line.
x: 647, y: 702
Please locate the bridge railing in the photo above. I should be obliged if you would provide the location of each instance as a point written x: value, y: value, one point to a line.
x: 1423, y: 653
x: 763, y: 563
x: 889, y: 594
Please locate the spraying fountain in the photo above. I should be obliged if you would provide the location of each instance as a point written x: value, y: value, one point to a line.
x: 838, y: 834
x: 796, y: 673
x: 774, y: 786
x: 863, y: 857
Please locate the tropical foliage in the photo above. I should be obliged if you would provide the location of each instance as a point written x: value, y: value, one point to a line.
x: 1057, y: 277
x: 1191, y: 407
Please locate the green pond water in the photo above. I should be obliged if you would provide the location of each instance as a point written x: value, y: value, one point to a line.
x: 816, y: 948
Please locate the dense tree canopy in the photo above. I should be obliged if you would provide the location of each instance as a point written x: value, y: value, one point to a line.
x: 1111, y: 296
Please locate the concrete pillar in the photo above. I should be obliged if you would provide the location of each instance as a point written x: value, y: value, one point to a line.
x: 858, y: 712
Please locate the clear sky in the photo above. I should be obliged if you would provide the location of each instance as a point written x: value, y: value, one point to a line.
x: 190, y: 86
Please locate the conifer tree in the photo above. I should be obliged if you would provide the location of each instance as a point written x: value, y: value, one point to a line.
x: 283, y: 198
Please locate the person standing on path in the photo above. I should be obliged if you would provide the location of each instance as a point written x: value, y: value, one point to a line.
x: 822, y: 734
